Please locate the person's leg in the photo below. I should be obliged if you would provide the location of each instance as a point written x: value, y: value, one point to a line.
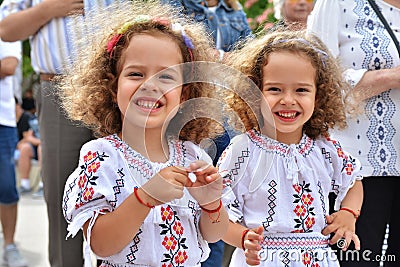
x: 392, y: 256
x: 61, y: 141
x: 371, y: 225
x: 8, y: 188
x: 228, y: 251
x: 9, y: 196
x: 24, y: 165
x: 8, y: 217
x: 39, y: 192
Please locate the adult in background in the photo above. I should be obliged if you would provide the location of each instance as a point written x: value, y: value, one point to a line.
x: 353, y: 32
x: 28, y: 146
x: 225, y: 20
x: 292, y: 14
x: 45, y: 22
x: 10, y: 55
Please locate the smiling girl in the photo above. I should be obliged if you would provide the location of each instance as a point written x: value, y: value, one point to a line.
x: 279, y: 173
x: 131, y: 194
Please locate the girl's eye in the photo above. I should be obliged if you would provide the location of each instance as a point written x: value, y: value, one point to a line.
x: 302, y: 90
x: 272, y: 89
x: 135, y: 74
x: 166, y: 76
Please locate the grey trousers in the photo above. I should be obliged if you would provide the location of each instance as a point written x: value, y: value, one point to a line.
x: 61, y: 142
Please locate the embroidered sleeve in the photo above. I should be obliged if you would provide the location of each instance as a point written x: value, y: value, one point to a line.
x: 193, y: 152
x: 234, y: 169
x: 346, y: 170
x: 85, y: 189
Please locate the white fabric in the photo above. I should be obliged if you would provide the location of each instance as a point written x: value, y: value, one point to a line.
x: 53, y: 46
x: 7, y: 102
x: 285, y: 189
x: 218, y: 41
x: 353, y: 32
x: 119, y: 169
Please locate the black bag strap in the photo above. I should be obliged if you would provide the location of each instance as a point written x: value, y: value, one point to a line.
x: 382, y: 18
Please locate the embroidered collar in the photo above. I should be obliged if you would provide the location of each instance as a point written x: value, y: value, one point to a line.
x: 304, y: 147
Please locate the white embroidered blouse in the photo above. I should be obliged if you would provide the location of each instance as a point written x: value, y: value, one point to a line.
x: 354, y: 33
x: 107, y: 174
x: 285, y: 188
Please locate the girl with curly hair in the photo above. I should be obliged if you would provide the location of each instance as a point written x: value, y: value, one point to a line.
x: 279, y: 173
x: 144, y: 194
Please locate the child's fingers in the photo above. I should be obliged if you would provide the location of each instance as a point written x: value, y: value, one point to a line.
x: 252, y: 245
x: 178, y: 178
x: 197, y: 166
x: 201, y: 180
x: 348, y: 237
x: 328, y: 229
x: 357, y: 242
x: 201, y: 168
x: 212, y: 177
x: 253, y: 236
x: 338, y: 235
x: 252, y: 257
x: 329, y: 218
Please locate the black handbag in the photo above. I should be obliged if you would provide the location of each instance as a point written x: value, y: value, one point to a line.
x: 382, y: 18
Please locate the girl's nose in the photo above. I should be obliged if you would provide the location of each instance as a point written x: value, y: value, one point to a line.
x: 288, y: 99
x: 149, y: 85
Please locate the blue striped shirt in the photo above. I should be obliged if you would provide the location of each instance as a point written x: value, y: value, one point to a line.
x: 53, y: 45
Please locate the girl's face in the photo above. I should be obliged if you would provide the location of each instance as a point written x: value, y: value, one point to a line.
x: 289, y: 89
x: 149, y: 92
x: 297, y: 10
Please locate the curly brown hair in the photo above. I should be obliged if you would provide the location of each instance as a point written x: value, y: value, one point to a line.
x: 250, y: 60
x: 89, y: 89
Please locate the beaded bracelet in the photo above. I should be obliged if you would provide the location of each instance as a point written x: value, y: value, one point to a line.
x: 209, y: 212
x: 140, y: 200
x: 352, y: 212
x: 244, y: 233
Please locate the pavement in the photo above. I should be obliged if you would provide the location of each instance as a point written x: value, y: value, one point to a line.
x: 31, y: 235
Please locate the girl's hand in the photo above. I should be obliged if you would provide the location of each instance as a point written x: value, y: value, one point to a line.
x: 165, y: 186
x: 342, y: 223
x: 207, y: 188
x: 251, y: 245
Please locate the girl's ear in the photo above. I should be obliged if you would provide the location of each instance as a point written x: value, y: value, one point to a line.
x: 185, y: 93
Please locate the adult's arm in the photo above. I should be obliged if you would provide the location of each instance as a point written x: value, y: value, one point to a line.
x: 323, y: 22
x: 22, y: 24
x: 374, y: 82
x: 8, y: 66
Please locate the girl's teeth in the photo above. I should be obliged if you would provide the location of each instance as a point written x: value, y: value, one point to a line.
x: 148, y: 104
x: 288, y: 115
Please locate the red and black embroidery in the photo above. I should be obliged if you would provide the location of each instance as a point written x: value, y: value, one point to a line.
x: 310, y: 258
x: 174, y: 241
x: 348, y: 161
x: 304, y: 209
x: 87, y: 177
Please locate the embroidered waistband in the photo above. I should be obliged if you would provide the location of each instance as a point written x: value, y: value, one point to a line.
x: 295, y: 241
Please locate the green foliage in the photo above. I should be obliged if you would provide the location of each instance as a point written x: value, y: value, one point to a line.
x: 27, y: 70
x: 260, y: 13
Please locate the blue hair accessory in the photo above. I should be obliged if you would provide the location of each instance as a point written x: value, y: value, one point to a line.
x: 186, y: 39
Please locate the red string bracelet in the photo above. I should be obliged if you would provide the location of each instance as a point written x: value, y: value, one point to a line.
x: 141, y: 201
x: 244, y: 233
x: 352, y: 212
x: 209, y: 212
